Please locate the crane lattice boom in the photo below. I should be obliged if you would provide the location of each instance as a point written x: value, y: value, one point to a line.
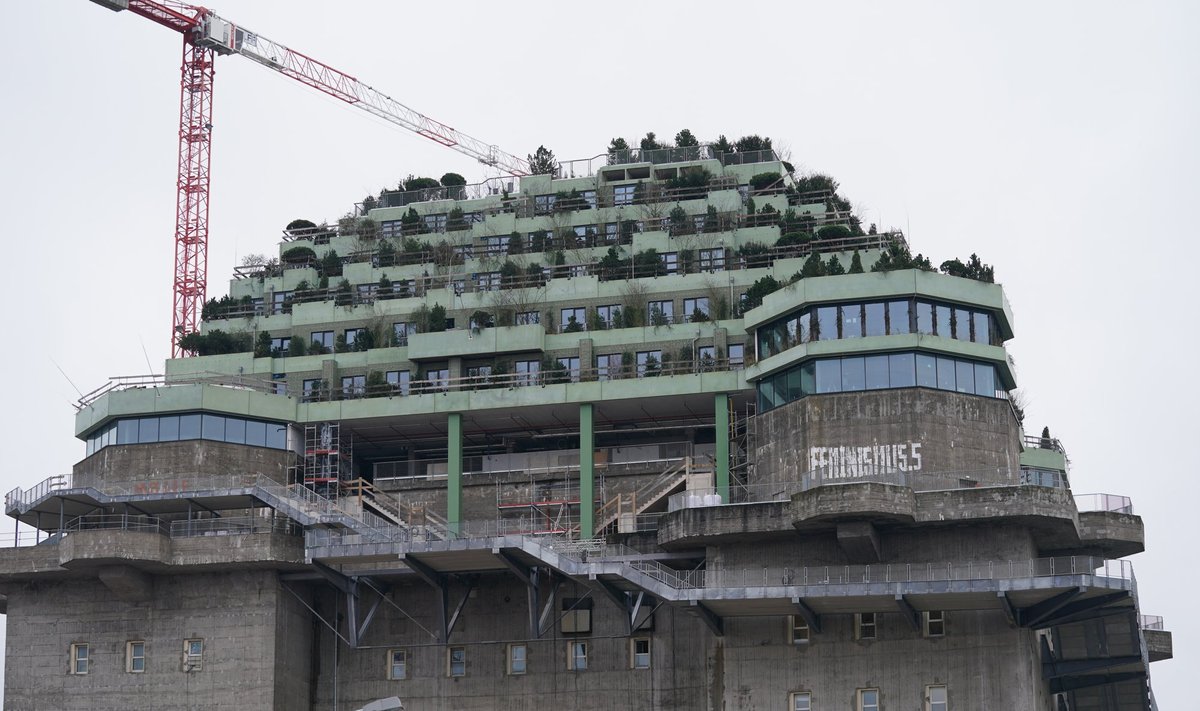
x: 205, y: 35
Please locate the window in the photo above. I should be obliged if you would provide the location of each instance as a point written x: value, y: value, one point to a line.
x: 352, y: 335
x: 660, y: 313
x: 577, y: 615
x: 527, y: 371
x: 981, y: 328
x: 639, y: 653
x: 589, y: 196
x: 79, y: 659
x: 456, y: 661
x: 397, y: 664
x: 135, y: 657
x: 868, y: 700
x: 941, y: 316
x: 696, y: 309
x: 400, y: 380
x: 279, y: 346
x: 193, y: 654
x: 864, y: 625
x: 875, y: 321
x: 648, y: 362
x: 962, y: 324
x: 488, y: 281
x: 737, y: 355
x: 312, y: 390
x: 924, y: 318
x: 528, y: 318
x: 390, y: 228
x: 800, y: 701
x: 518, y: 659
x: 936, y: 699
x: 623, y: 194
x: 354, y: 386
x: 798, y: 632
x: 712, y: 260
x: 609, y: 315
x: 898, y: 319
x: 827, y: 329
x: 670, y: 261
x: 543, y: 204
x: 608, y: 366
x: 610, y: 233
x: 577, y: 656
x: 402, y: 330
x: 934, y: 623
x: 572, y: 319
x: 496, y: 245
x: 852, y: 326
x: 435, y: 223
x: 571, y: 365
x: 706, y: 357
x: 324, y: 338
x: 279, y: 301
x: 479, y: 373
x: 439, y: 379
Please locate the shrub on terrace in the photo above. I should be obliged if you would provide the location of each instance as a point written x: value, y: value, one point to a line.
x: 298, y: 255
x: 897, y: 256
x: 761, y: 182
x: 973, y: 269
x: 453, y: 179
x: 216, y: 342
x: 760, y: 288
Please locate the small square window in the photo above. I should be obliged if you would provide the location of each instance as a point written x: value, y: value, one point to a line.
x: 800, y: 701
x: 864, y: 625
x: 798, y: 632
x: 518, y: 659
x: 193, y: 654
x: 397, y: 664
x: 936, y: 699
x: 934, y: 623
x: 640, y: 653
x: 79, y: 659
x: 456, y: 661
x: 135, y: 657
x: 577, y: 656
x: 868, y: 700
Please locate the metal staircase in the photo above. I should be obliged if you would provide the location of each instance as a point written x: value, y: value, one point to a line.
x: 671, y: 481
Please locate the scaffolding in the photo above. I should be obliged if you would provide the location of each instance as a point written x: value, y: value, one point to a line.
x: 326, y: 462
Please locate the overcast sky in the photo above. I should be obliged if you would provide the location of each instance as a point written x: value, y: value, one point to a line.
x: 1056, y: 140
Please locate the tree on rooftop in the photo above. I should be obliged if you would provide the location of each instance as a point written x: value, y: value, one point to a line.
x: 618, y: 144
x: 543, y: 162
x: 747, y: 144
x: 650, y: 142
x: 973, y: 269
x: 453, y: 179
x: 722, y: 145
x: 896, y: 256
x: 685, y: 138
x: 856, y: 266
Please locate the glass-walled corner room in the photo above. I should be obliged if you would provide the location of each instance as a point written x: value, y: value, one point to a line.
x: 174, y: 428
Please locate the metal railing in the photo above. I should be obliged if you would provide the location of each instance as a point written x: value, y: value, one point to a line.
x: 1050, y: 443
x: 233, y: 526
x: 21, y: 500
x: 118, y: 522
x: 135, y: 382
x: 1104, y: 502
x: 1150, y: 622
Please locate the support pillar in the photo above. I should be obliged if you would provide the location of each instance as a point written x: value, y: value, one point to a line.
x: 454, y: 470
x: 587, y: 473
x: 721, y: 431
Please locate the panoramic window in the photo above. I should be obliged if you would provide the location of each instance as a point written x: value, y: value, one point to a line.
x: 173, y: 428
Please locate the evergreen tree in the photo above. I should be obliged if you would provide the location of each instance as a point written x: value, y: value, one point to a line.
x: 813, y: 266
x: 856, y: 266
x: 542, y: 162
x: 834, y: 266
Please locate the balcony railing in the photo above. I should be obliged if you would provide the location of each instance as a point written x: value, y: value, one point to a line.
x: 1150, y: 622
x: 1104, y: 502
x: 1049, y: 443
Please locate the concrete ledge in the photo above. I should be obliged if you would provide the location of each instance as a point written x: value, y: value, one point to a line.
x: 258, y: 550
x: 687, y: 528
x: 853, y: 502
x: 1158, y: 644
x: 103, y: 547
x: 1112, y: 534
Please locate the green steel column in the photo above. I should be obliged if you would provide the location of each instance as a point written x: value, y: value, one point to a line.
x: 721, y: 430
x: 454, y: 470
x: 587, y: 473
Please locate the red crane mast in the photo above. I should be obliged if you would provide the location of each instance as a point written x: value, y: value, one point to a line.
x: 205, y: 35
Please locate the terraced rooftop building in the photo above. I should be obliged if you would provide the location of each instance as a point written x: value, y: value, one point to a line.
x: 663, y: 429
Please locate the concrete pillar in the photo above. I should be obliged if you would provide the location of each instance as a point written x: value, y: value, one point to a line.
x: 721, y: 341
x: 587, y: 359
x: 454, y: 471
x: 721, y: 431
x: 587, y: 473
x: 455, y: 367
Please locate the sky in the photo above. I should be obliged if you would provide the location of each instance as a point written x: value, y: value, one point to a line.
x: 1056, y: 140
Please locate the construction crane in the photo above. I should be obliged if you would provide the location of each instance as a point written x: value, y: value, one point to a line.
x: 206, y: 35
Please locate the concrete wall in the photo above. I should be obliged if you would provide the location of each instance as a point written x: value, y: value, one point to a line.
x: 925, y: 432
x: 168, y: 464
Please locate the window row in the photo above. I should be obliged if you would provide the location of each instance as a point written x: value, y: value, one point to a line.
x: 877, y: 372
x: 173, y: 428
x: 935, y: 699
x: 879, y: 318
x: 866, y: 626
x: 516, y: 659
x: 81, y: 661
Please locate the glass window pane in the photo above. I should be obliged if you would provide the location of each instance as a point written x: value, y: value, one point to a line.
x: 875, y: 323
x: 808, y: 379
x: 985, y: 380
x: 148, y: 429
x: 829, y: 376
x: 189, y: 427
x: 926, y: 371
x: 981, y: 331
x: 791, y: 332
x: 945, y: 373
x: 902, y: 370
x: 256, y: 433
x: 235, y: 430
x: 212, y: 427
x: 877, y: 372
x: 827, y: 323
x: 942, y: 314
x: 127, y: 432
x: 853, y: 374
x: 794, y: 389
x: 898, y: 317
x: 962, y: 324
x: 852, y: 321
x: 924, y: 318
x: 965, y: 377
x: 779, y: 389
x: 168, y: 428
x: 764, y: 401
x: 276, y: 435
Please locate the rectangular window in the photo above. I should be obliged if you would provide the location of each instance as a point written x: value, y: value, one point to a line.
x: 279, y: 346
x: 712, y: 260
x: 985, y: 380
x: 589, y: 196
x: 926, y: 371
x: 925, y: 318
x: 193, y: 654
x: 670, y: 261
x: 706, y: 358
x: 660, y: 313
x: 828, y: 376
x: 945, y: 373
x: 572, y: 320
x: 456, y: 661
x: 964, y: 381
x: 936, y: 699
x: 941, y: 325
x: 962, y: 324
x: 827, y: 329
x: 800, y: 701
x: 934, y: 623
x: 189, y: 427
x: 488, y: 281
x: 878, y: 370
x: 898, y: 318
x: 571, y: 365
x: 400, y: 380
x: 853, y: 374
x: 79, y: 659
x: 496, y: 245
x: 135, y: 657
x: 852, y: 326
x: 798, y: 632
x: 696, y: 309
x: 352, y: 335
x: 354, y: 386
x: 981, y: 327
x: 875, y: 323
x: 518, y: 659
x: 397, y: 664
x: 577, y: 656
x: 312, y: 390
x: 864, y: 625
x: 527, y: 371
x: 623, y: 194
x: 438, y: 378
x: 543, y: 204
x: 737, y: 355
x: 325, y: 338
x: 609, y: 315
x: 868, y: 700
x: 435, y: 223
x: 528, y: 318
x: 402, y: 330
x: 639, y: 653
x: 648, y: 362
x: 608, y: 366
x: 902, y: 370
